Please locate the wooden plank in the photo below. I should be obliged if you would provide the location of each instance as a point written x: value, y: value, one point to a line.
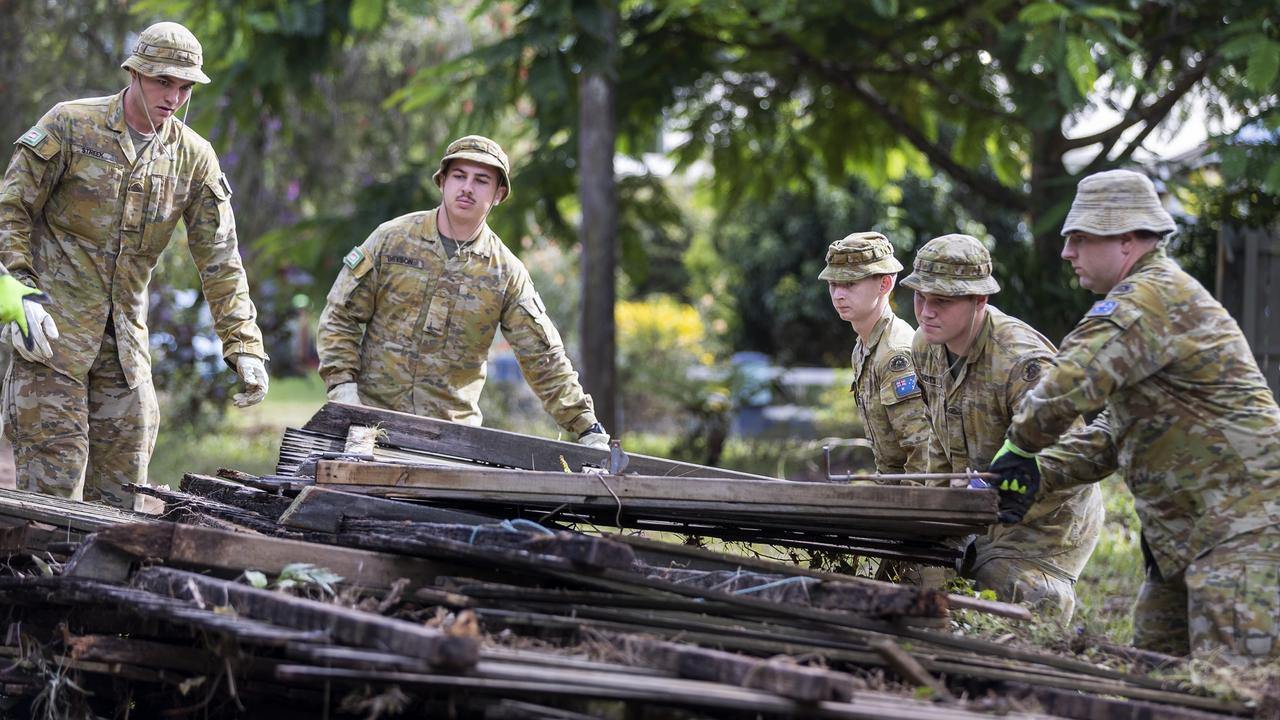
x: 242, y: 496
x: 495, y: 447
x: 910, y: 669
x: 322, y: 509
x: 208, y: 548
x: 556, y: 485
x: 344, y: 625
x: 63, y: 513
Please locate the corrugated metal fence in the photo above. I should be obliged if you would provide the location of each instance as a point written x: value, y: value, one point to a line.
x: 1248, y: 284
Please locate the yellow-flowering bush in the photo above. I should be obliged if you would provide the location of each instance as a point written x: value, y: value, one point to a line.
x: 659, y: 341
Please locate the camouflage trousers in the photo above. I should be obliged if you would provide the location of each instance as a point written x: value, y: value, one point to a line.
x: 1023, y: 581
x: 1224, y: 606
x: 80, y: 439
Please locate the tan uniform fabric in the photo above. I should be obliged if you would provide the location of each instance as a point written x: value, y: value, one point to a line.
x: 1042, y: 556
x: 1196, y: 427
x: 888, y: 396
x: 413, y: 327
x: 84, y: 218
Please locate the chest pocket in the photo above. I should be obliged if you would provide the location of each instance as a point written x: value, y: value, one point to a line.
x: 83, y: 202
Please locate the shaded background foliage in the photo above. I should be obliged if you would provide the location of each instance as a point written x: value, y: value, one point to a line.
x: 789, y: 124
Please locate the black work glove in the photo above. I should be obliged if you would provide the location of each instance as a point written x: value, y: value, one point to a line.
x: 1018, y: 484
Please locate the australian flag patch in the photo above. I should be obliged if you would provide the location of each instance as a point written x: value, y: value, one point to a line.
x: 903, y: 387
x: 1102, y: 308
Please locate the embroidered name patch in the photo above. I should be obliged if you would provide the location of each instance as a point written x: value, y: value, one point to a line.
x: 402, y: 260
x: 904, y: 386
x: 1102, y: 308
x: 353, y: 258
x: 95, y: 153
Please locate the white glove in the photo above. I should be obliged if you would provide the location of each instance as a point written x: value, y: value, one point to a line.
x: 41, y: 328
x: 596, y: 440
x: 254, y: 373
x: 347, y: 393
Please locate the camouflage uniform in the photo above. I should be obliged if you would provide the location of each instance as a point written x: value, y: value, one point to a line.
x: 84, y: 217
x: 1197, y: 433
x: 884, y: 379
x: 428, y: 321
x: 1038, y: 560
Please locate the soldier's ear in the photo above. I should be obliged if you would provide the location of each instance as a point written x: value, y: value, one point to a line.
x: 501, y: 195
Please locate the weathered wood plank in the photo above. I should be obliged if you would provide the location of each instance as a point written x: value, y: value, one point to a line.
x: 343, y: 625
x: 495, y: 447
x: 242, y: 496
x: 321, y: 509
x: 63, y: 513
x: 208, y: 548
x: 488, y: 483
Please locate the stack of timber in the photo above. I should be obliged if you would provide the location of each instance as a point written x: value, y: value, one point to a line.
x: 428, y: 611
x: 512, y: 475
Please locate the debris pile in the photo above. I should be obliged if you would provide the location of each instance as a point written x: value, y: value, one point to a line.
x: 429, y: 588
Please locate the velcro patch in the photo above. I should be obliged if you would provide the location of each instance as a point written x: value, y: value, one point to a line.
x: 401, y: 260
x: 903, y: 387
x: 353, y: 258
x: 33, y: 137
x: 1102, y: 308
x: 899, y: 362
x: 1122, y: 289
x: 1031, y: 371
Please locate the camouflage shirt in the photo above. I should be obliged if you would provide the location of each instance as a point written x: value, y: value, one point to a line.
x: 1196, y: 428
x: 412, y: 326
x: 888, y: 395
x: 969, y: 415
x: 84, y: 218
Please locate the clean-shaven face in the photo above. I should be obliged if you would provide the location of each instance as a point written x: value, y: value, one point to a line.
x: 1098, y: 260
x: 943, y: 319
x: 855, y: 301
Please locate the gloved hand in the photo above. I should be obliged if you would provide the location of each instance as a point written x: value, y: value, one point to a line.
x: 1019, y: 481
x: 20, y: 307
x: 254, y: 373
x: 595, y: 437
x: 347, y: 392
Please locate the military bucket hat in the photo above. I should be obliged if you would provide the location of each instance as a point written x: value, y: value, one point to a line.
x: 859, y: 255
x: 1116, y: 202
x: 475, y: 148
x: 954, y: 266
x: 168, y: 48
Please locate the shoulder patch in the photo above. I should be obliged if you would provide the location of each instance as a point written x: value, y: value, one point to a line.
x: 33, y: 137
x: 1032, y: 371
x: 903, y: 387
x: 1121, y: 289
x: 898, y: 363
x: 1102, y: 308
x: 353, y: 258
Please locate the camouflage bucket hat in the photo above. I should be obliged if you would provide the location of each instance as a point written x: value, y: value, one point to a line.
x: 475, y: 148
x: 1116, y: 202
x: 859, y: 255
x: 953, y: 265
x: 168, y: 48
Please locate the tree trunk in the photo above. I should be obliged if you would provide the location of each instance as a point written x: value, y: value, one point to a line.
x: 597, y: 136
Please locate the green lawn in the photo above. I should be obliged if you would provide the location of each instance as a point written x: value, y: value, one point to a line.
x: 249, y: 440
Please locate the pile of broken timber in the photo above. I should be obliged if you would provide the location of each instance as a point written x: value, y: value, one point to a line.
x: 512, y: 475
x: 441, y: 612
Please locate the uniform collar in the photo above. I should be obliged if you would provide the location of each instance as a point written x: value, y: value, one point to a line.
x: 1154, y: 257
x: 877, y: 332
x: 983, y: 339
x: 483, y: 245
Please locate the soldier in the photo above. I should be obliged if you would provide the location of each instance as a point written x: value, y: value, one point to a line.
x: 975, y: 364
x: 408, y: 323
x: 860, y: 274
x: 90, y: 199
x: 1195, y: 427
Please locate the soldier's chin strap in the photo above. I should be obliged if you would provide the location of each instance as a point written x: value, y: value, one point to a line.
x: 444, y: 206
x: 168, y: 151
x: 960, y: 357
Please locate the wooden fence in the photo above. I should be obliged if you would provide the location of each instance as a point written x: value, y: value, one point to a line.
x: 1248, y: 284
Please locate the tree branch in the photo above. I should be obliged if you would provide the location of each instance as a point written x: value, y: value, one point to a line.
x: 1153, y: 113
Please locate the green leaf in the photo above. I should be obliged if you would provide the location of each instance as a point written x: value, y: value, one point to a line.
x: 1042, y: 12
x: 255, y: 578
x: 1100, y: 12
x: 1263, y: 64
x: 1242, y: 46
x: 1272, y: 183
x: 884, y: 8
x: 367, y: 15
x: 1084, y: 71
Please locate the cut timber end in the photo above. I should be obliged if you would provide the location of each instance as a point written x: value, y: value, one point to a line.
x: 361, y: 440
